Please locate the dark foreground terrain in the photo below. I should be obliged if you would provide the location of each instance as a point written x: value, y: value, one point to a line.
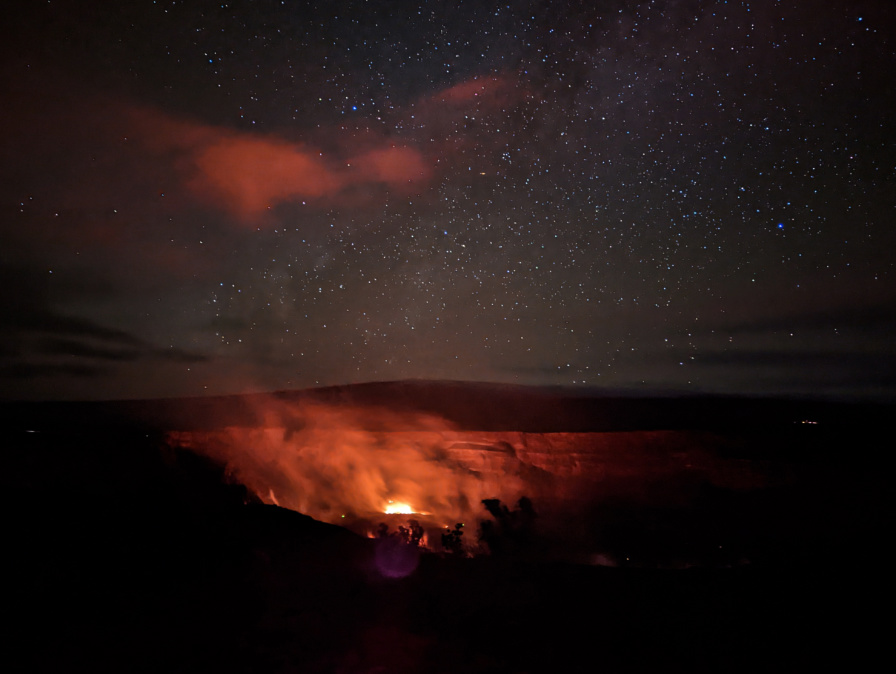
x: 125, y: 554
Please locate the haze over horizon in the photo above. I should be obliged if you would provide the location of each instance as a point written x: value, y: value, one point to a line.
x: 685, y: 196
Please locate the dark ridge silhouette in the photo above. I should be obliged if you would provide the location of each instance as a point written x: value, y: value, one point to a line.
x: 468, y: 405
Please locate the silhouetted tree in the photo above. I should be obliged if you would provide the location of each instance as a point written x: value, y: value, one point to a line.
x: 497, y: 510
x: 412, y: 534
x: 511, y: 531
x: 452, y: 539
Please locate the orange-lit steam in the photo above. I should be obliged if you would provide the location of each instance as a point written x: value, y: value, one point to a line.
x: 339, y: 465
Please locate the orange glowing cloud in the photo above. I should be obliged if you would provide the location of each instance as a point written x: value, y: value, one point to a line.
x: 467, y: 105
x: 248, y: 174
x: 394, y: 166
x: 489, y: 89
x: 144, y: 154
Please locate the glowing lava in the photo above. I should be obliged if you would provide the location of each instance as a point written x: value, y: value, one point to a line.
x: 393, y: 508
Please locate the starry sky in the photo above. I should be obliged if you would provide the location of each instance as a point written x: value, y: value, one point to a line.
x: 685, y: 196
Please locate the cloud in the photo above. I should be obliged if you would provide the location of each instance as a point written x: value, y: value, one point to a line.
x: 487, y: 91
x: 114, y: 351
x: 79, y: 349
x: 39, y: 341
x: 25, y: 371
x: 43, y: 320
x: 47, y: 343
x: 105, y: 151
x: 872, y: 317
x: 248, y: 174
x: 394, y: 166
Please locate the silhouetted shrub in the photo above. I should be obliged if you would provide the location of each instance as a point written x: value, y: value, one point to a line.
x: 511, y: 531
x: 453, y: 539
x: 411, y: 535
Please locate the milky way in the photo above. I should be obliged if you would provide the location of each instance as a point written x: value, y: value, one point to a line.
x: 685, y: 196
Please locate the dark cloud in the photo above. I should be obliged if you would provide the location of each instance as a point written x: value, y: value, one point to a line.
x: 70, y: 347
x: 869, y: 316
x: 48, y: 322
x: 39, y: 343
x: 863, y: 365
x: 28, y: 371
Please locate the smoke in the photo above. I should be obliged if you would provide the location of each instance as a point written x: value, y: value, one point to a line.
x: 343, y: 465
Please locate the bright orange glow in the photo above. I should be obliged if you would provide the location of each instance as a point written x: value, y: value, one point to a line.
x: 327, y: 461
x: 357, y: 466
x: 393, y: 508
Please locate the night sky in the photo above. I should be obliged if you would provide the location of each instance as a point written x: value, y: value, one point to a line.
x: 678, y: 196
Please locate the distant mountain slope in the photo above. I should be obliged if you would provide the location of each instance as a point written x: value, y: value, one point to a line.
x: 466, y: 405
